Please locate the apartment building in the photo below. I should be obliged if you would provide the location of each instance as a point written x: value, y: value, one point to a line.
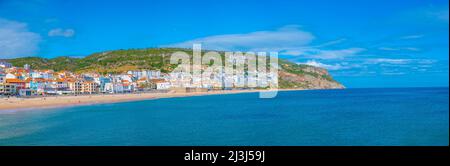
x: 7, y: 89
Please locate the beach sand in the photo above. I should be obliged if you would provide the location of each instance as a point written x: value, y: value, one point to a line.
x: 62, y: 101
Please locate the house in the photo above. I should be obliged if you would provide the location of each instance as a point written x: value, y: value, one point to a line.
x: 128, y: 86
x: 154, y: 74
x: 161, y: 84
x: 48, y: 74
x: 145, y: 84
x: 35, y: 74
x: 142, y: 81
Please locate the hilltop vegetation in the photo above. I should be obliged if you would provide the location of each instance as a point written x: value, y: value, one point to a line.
x: 291, y: 75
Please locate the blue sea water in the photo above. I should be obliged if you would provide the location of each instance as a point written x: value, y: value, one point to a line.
x: 404, y: 116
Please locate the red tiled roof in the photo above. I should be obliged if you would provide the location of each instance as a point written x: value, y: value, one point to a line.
x: 14, y: 80
x: 158, y: 80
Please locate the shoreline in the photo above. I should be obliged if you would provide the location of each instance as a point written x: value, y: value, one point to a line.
x: 18, y: 104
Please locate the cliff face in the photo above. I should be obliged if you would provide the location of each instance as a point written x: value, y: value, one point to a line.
x: 291, y: 75
x: 289, y: 80
x: 306, y: 77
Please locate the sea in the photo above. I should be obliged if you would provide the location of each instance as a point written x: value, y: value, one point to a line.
x: 349, y: 117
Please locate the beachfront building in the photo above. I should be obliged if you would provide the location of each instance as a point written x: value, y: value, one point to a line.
x: 76, y: 86
x: 7, y: 89
x: 27, y: 92
x: 105, y: 84
x: 118, y: 88
x: 128, y: 86
x: 160, y: 84
x: 144, y: 84
x: 19, y: 84
x: 108, y: 88
x: 57, y: 86
x: 60, y: 84
x: 37, y: 84
x: 89, y: 87
x: 44, y: 82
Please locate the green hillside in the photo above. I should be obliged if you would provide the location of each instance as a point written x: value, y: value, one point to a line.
x: 291, y: 75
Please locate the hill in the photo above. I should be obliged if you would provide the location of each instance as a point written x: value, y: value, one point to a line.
x: 291, y: 75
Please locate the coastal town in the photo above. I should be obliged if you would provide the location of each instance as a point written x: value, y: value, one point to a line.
x: 27, y: 82
x: 24, y: 82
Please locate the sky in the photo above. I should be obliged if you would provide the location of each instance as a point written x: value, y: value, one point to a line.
x: 367, y: 43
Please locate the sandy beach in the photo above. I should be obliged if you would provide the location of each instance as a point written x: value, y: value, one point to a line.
x: 62, y: 101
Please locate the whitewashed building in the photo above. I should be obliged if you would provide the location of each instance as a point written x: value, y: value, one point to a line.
x: 4, y: 64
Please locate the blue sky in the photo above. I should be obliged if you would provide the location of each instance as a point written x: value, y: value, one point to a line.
x: 362, y: 43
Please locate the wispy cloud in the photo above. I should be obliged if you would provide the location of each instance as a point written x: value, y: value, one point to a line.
x: 326, y: 66
x: 399, y: 49
x: 430, y: 13
x: 330, y: 43
x: 288, y: 40
x: 392, y: 73
x: 389, y: 61
x: 277, y: 40
x: 334, y: 54
x: 61, y: 32
x: 315, y: 53
x: 440, y: 14
x: 16, y: 40
x: 412, y: 37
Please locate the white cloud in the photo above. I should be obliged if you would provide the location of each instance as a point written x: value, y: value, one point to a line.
x: 400, y: 61
x: 336, y: 54
x: 399, y: 49
x: 327, y: 66
x: 412, y: 37
x: 386, y: 60
x: 277, y: 40
x: 392, y: 73
x: 16, y: 40
x: 61, y: 32
x: 314, y: 53
x: 388, y: 49
x: 288, y: 40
